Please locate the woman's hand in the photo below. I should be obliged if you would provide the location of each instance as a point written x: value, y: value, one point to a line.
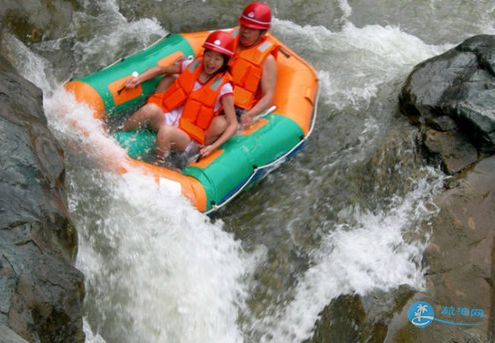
x: 230, y: 117
x: 132, y: 82
x: 205, y: 151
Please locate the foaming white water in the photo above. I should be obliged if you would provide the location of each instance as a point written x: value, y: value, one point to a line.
x: 359, y: 61
x: 156, y: 269
x: 367, y: 251
x: 487, y: 24
x: 366, y: 138
x: 90, y: 336
x: 117, y: 37
x: 118, y: 40
x: 346, y: 8
x: 31, y: 66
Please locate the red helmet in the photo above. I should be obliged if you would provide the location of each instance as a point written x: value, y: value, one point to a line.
x: 256, y: 15
x: 221, y: 42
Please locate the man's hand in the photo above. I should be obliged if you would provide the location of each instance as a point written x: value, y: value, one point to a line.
x: 246, y: 120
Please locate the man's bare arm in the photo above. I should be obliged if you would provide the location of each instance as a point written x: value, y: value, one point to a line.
x: 268, y: 81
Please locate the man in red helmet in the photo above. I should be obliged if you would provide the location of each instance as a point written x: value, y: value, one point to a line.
x: 253, y: 67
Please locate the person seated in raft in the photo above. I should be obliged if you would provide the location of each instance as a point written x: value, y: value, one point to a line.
x: 184, y: 111
x: 254, y: 68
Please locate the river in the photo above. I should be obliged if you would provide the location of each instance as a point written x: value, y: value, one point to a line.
x: 346, y: 215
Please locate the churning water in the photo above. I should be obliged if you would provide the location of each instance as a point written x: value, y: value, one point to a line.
x: 343, y: 216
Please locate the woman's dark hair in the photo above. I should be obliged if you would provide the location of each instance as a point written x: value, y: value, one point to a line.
x: 225, y: 66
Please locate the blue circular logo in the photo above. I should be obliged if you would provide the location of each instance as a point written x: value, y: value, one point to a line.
x: 421, y: 314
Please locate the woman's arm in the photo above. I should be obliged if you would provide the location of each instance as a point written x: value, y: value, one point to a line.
x: 151, y: 73
x: 230, y: 117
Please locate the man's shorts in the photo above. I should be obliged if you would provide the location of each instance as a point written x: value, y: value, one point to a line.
x: 239, y: 112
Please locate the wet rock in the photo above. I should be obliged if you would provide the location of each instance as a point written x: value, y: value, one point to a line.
x: 453, y: 149
x: 40, y: 291
x: 9, y: 336
x: 450, y: 97
x: 340, y: 320
x: 442, y: 123
x: 459, y: 261
x: 459, y: 85
x: 5, y: 65
x: 34, y: 20
x: 460, y: 273
x: 355, y: 318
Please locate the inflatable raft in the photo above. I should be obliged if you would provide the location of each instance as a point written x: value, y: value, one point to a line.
x: 213, y: 181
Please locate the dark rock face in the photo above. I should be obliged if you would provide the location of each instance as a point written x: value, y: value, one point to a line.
x: 9, y: 336
x: 460, y: 85
x: 353, y: 318
x: 451, y: 99
x: 460, y: 262
x: 40, y: 291
x: 35, y: 20
x: 454, y: 148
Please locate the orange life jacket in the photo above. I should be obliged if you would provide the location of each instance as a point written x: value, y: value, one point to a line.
x: 247, y: 68
x: 199, y: 105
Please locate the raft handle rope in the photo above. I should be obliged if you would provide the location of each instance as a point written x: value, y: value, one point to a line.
x: 134, y: 75
x: 284, y: 52
x: 273, y: 164
x: 264, y: 114
x: 240, y: 127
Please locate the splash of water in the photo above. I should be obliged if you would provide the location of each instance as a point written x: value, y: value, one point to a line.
x: 155, y: 268
x: 359, y: 61
x: 367, y: 251
x: 31, y: 66
x: 346, y: 9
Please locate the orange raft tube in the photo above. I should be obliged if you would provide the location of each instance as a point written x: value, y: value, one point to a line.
x: 245, y: 158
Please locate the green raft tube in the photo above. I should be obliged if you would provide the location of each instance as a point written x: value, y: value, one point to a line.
x: 248, y: 156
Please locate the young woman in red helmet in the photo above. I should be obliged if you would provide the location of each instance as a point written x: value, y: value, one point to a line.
x: 184, y: 111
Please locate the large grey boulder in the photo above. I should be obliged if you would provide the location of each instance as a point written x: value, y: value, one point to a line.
x: 455, y: 93
x: 459, y: 257
x: 451, y: 99
x: 41, y: 292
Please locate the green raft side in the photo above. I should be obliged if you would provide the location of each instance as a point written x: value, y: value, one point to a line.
x: 137, y: 143
x: 138, y: 62
x: 241, y: 155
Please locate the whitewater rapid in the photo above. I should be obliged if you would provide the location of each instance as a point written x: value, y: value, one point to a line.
x: 156, y: 270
